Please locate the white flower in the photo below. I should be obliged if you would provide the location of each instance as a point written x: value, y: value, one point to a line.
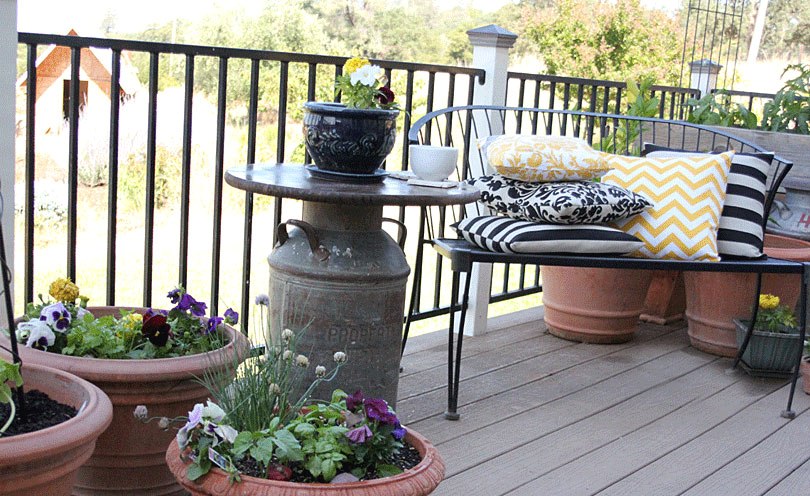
x: 164, y: 422
x: 213, y: 411
x: 339, y: 357
x: 320, y: 371
x: 286, y: 355
x: 57, y: 316
x: 366, y: 75
x: 141, y: 412
x: 226, y: 433
x: 81, y: 312
x: 287, y: 335
x: 302, y: 361
x: 263, y: 299
x: 274, y: 389
x: 182, y: 437
x: 35, y: 331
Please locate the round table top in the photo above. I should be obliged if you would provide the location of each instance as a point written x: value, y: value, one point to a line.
x: 294, y: 181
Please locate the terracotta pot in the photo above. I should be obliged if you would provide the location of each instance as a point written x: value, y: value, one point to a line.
x: 129, y: 456
x: 805, y: 370
x: 420, y: 480
x: 594, y: 305
x: 714, y: 299
x: 45, y: 462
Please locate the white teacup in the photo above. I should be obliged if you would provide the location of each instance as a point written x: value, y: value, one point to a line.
x: 433, y: 163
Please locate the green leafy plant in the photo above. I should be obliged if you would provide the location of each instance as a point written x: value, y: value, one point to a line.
x: 622, y: 139
x: 363, y: 85
x: 9, y: 373
x: 263, y: 425
x: 66, y: 326
x: 789, y: 111
x: 717, y: 109
x: 773, y: 317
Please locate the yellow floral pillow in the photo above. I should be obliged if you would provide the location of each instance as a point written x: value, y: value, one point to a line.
x: 688, y: 193
x: 544, y: 158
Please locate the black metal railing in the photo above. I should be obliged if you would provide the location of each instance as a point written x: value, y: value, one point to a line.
x: 418, y: 84
x: 752, y: 100
x: 592, y: 95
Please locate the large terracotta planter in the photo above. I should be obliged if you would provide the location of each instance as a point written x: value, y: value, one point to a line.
x: 45, y: 462
x: 129, y: 456
x: 714, y: 299
x: 594, y: 305
x: 418, y: 481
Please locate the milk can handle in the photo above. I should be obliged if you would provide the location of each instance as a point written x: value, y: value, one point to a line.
x: 315, y: 245
x: 403, y: 231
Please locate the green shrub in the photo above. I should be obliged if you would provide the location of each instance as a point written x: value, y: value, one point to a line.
x: 168, y: 170
x: 790, y: 108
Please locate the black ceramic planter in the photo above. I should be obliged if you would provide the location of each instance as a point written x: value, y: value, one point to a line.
x: 348, y: 140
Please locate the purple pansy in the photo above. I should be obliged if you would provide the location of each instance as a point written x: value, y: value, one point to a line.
x: 377, y: 409
x: 174, y: 295
x: 354, y: 400
x: 212, y: 324
x: 398, y: 432
x: 185, y: 302
x: 57, y: 316
x: 231, y: 316
x: 360, y: 434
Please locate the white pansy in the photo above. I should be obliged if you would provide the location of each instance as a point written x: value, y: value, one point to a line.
x: 366, y: 75
x: 226, y: 432
x: 182, y: 437
x: 35, y: 331
x: 213, y: 411
x: 81, y: 312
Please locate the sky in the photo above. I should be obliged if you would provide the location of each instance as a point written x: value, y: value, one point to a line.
x: 59, y: 16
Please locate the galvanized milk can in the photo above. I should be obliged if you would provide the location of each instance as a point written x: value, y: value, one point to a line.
x: 342, y: 279
x: 791, y: 217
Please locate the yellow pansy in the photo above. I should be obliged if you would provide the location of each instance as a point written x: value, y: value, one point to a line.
x: 64, y: 290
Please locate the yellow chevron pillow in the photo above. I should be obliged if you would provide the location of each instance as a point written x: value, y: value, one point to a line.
x: 688, y: 194
x: 544, y: 158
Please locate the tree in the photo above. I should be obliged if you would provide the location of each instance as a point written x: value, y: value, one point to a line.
x: 617, y: 41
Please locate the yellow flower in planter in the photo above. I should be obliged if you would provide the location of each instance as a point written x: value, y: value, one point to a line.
x: 64, y: 290
x: 772, y: 316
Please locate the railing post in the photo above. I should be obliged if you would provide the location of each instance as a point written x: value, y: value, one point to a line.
x: 491, y: 46
x: 8, y: 71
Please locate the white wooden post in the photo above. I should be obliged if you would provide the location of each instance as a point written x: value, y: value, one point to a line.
x: 8, y: 72
x: 491, y: 46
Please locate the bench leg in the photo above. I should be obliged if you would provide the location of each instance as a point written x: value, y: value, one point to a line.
x: 789, y: 413
x: 454, y: 362
x: 750, y: 330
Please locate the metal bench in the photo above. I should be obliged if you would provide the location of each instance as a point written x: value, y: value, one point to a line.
x: 462, y: 126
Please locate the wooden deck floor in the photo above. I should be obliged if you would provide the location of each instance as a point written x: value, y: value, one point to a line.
x: 544, y: 416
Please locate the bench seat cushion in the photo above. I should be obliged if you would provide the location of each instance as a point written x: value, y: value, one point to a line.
x: 570, y: 202
x: 504, y: 235
x: 688, y: 192
x: 543, y: 158
x: 740, y: 233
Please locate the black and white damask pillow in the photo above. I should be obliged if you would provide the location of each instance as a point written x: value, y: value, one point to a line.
x: 574, y: 202
x: 740, y: 232
x: 504, y: 235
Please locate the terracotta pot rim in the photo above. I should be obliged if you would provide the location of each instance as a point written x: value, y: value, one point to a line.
x: 799, y: 252
x: 139, y: 370
x: 72, y: 432
x: 430, y: 458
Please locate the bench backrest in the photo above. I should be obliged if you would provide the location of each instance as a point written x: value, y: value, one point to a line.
x: 463, y: 126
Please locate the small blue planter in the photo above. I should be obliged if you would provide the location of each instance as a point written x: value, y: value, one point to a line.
x: 769, y: 353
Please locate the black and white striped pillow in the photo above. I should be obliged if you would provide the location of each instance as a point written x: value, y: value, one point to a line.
x: 504, y: 235
x: 740, y: 233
